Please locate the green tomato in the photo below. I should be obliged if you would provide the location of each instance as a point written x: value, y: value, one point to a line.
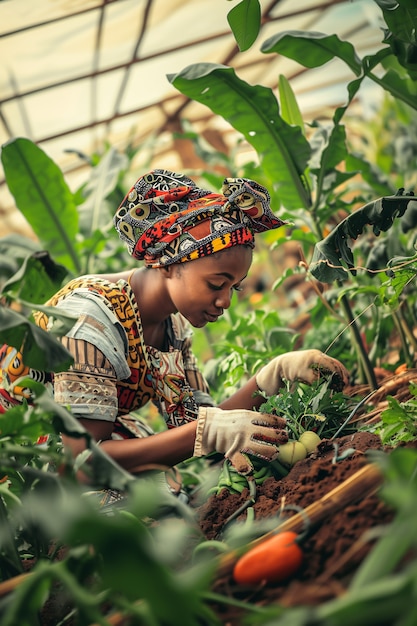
x: 310, y: 440
x: 291, y: 452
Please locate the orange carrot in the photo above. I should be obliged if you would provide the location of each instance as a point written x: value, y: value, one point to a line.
x: 273, y: 560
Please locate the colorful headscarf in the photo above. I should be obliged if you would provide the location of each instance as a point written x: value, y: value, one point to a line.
x: 165, y: 218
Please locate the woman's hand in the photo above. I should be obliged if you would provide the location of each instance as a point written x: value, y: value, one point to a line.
x: 303, y: 365
x: 239, y: 433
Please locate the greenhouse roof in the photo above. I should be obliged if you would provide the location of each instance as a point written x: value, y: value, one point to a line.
x: 77, y: 75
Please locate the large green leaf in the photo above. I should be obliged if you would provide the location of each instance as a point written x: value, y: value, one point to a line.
x: 312, y: 49
x: 333, y: 255
x: 245, y: 21
x: 329, y: 145
x: 400, y: 87
x: 254, y: 112
x: 329, y: 149
x: 43, y: 197
x: 40, y: 350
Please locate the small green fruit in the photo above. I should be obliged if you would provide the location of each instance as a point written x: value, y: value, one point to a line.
x: 291, y: 452
x: 310, y: 440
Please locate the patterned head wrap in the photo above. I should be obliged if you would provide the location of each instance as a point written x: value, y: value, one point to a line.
x: 165, y: 218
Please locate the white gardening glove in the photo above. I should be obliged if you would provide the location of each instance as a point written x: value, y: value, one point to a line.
x: 303, y: 365
x: 237, y: 433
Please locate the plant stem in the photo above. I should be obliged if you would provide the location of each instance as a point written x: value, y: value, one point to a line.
x: 396, y: 316
x: 407, y: 329
x: 357, y: 339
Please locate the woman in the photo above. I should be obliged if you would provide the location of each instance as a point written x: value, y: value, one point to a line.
x: 132, y: 339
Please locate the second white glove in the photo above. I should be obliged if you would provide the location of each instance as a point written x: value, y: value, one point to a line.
x: 303, y: 365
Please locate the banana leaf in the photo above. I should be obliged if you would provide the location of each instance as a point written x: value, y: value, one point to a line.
x: 290, y: 111
x: 14, y: 249
x: 332, y: 255
x: 253, y: 111
x: 44, y: 198
x: 312, y: 49
x: 93, y: 212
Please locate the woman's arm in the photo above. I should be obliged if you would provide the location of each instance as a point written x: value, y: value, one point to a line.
x: 247, y: 397
x: 166, y: 448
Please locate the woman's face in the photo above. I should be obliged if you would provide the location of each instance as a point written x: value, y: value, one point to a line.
x: 202, y: 289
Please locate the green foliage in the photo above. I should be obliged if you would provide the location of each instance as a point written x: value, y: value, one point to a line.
x: 244, y: 340
x: 315, y: 407
x: 401, y: 19
x: 245, y: 21
x: 312, y: 49
x: 73, y: 227
x: 399, y: 420
x: 37, y: 279
x: 13, y: 251
x: 41, y: 350
x: 333, y: 253
x: 400, y: 492
x: 138, y: 577
x: 254, y: 112
x: 310, y: 171
x: 289, y: 107
x: 43, y: 197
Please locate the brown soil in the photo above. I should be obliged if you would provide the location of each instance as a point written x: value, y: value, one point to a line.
x: 334, y: 548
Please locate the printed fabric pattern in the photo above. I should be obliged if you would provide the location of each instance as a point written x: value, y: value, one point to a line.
x: 165, y: 218
x: 12, y: 373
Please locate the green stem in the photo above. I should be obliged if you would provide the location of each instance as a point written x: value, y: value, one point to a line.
x: 407, y: 329
x: 399, y: 326
x: 357, y: 339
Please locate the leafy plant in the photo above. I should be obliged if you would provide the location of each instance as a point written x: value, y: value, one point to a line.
x: 399, y: 420
x: 315, y: 407
x: 74, y: 227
